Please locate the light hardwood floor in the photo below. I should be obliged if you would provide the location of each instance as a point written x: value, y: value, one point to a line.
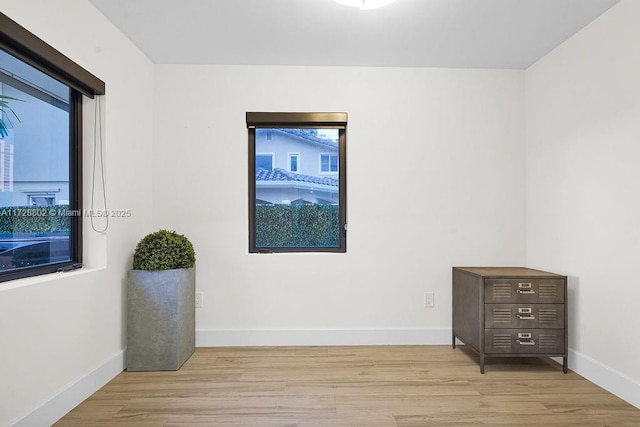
x: 352, y: 386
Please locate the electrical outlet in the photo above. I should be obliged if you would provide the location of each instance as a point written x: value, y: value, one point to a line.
x: 428, y: 299
x: 199, y: 300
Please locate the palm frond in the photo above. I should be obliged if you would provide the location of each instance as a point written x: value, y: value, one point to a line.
x: 6, y: 109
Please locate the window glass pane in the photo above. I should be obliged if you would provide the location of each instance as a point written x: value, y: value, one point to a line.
x: 264, y: 162
x: 324, y: 163
x: 334, y: 163
x: 297, y: 209
x: 34, y: 167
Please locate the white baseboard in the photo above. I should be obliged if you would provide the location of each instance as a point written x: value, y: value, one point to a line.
x: 228, y: 338
x: 68, y: 398
x: 615, y: 382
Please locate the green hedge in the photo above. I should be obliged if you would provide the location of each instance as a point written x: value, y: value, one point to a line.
x: 297, y: 226
x: 32, y: 219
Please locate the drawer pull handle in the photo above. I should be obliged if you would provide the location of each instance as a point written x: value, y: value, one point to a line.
x: 529, y: 292
x: 527, y: 317
x: 530, y: 342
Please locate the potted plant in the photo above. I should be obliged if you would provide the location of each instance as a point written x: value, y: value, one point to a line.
x: 161, y: 303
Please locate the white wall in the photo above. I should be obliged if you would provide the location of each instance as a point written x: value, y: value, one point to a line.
x: 583, y: 189
x: 62, y: 336
x: 444, y: 147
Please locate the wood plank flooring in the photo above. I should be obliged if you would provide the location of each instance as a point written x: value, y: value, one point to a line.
x: 352, y: 386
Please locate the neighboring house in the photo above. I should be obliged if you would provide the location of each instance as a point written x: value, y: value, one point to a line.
x: 34, y: 159
x: 296, y: 166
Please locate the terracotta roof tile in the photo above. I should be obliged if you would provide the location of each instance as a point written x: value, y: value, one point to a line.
x: 282, y: 175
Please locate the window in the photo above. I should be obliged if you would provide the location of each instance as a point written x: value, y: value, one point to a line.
x: 40, y: 155
x: 42, y: 200
x: 264, y: 162
x: 291, y: 210
x: 328, y: 163
x: 293, y: 162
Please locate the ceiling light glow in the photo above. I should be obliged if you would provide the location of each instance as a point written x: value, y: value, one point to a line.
x: 365, y: 4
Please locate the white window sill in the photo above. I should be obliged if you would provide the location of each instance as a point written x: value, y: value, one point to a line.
x: 51, y: 277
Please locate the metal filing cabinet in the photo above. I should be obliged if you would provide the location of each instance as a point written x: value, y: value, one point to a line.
x: 510, y: 311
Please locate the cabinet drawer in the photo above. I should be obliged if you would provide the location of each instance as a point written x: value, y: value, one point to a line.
x: 524, y: 290
x: 548, y: 316
x: 524, y: 341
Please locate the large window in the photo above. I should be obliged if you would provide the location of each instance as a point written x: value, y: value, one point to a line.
x: 295, y: 205
x: 40, y: 155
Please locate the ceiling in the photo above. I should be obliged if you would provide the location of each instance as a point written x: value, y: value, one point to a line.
x: 409, y: 33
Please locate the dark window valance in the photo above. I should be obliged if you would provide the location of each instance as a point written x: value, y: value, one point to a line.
x: 26, y: 46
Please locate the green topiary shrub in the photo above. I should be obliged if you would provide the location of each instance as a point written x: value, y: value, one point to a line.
x: 163, y: 250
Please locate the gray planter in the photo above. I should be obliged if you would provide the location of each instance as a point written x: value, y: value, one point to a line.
x: 160, y: 319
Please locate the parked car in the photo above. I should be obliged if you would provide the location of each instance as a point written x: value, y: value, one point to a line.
x: 30, y: 251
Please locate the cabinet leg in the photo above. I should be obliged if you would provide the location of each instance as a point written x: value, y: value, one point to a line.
x: 482, y: 363
x: 565, y: 364
x: 453, y: 341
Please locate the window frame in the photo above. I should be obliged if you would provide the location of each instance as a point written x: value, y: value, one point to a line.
x: 299, y: 120
x: 25, y: 46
